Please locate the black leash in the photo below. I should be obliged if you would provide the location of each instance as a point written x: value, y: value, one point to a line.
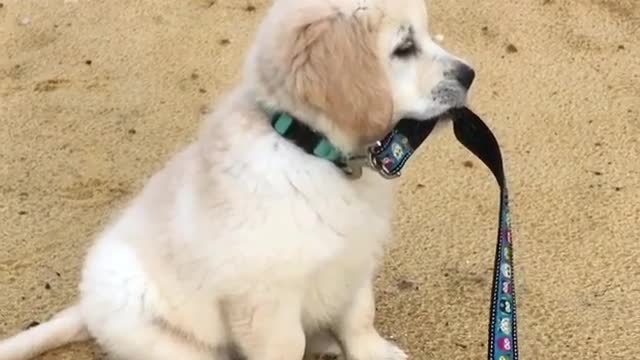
x: 473, y: 134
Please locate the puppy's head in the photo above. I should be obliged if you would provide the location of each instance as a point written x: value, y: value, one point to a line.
x: 353, y: 68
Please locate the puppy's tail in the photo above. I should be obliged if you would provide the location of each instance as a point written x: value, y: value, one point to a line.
x: 66, y: 327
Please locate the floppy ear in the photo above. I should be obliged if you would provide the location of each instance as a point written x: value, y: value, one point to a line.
x: 335, y: 69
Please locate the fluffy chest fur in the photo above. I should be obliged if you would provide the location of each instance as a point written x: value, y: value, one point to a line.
x: 254, y: 213
x: 314, y: 227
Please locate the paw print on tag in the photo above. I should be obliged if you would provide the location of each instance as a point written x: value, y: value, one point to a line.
x: 397, y: 151
x: 387, y: 162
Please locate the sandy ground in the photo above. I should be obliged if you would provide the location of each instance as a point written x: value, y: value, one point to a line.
x: 95, y: 95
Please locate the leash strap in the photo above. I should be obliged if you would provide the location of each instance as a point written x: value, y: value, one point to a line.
x: 391, y: 154
x: 474, y: 134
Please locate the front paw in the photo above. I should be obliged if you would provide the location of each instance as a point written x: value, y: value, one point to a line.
x: 391, y: 352
x: 323, y: 346
x: 374, y: 348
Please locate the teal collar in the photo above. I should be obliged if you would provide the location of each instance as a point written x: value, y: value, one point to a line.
x: 302, y: 135
x: 387, y: 157
x: 315, y: 143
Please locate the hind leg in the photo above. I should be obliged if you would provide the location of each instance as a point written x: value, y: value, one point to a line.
x: 149, y: 342
x: 124, y: 312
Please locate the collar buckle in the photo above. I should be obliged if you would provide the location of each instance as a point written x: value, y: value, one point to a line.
x: 387, y: 157
x: 376, y: 161
x: 371, y: 159
x: 382, y: 171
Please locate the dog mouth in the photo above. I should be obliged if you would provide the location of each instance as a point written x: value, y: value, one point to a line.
x: 447, y: 97
x: 448, y: 115
x: 433, y: 115
x: 445, y: 115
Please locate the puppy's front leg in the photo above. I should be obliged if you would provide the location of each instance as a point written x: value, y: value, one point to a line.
x: 356, y: 332
x: 268, y: 328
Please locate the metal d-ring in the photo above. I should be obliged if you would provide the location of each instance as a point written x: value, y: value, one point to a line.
x: 376, y: 165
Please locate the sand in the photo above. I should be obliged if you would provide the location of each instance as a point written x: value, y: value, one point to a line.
x: 95, y: 96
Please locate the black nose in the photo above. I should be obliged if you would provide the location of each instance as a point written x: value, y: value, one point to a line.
x: 465, y: 75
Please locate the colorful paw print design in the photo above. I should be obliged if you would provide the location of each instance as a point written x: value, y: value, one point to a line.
x: 506, y: 236
x: 506, y: 287
x: 504, y: 343
x: 387, y: 162
x: 507, y: 252
x: 505, y: 326
x: 506, y: 270
x: 396, y: 152
x: 505, y: 306
x: 400, y: 147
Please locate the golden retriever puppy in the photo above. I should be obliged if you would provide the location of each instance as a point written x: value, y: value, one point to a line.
x: 250, y: 241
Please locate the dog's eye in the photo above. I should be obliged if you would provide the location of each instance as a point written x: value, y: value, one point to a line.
x: 406, y: 49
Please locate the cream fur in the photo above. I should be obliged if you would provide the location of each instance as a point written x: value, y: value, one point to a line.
x: 244, y: 243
